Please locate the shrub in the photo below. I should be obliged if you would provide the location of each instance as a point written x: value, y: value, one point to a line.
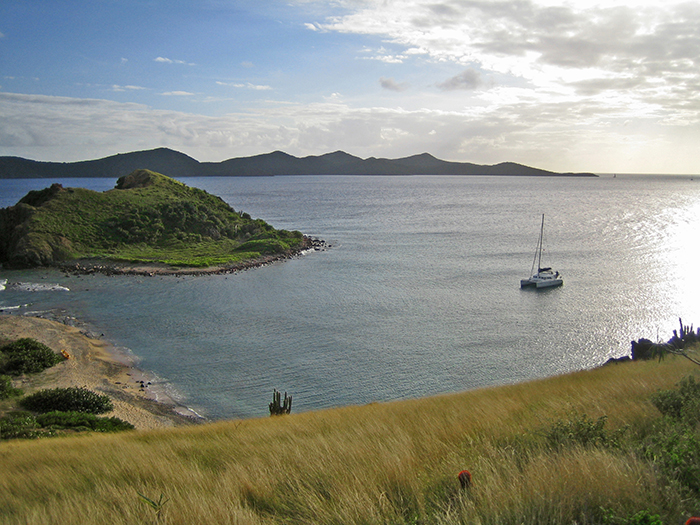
x: 643, y: 517
x: 23, y: 425
x: 74, y: 399
x: 82, y: 421
x: 675, y: 449
x: 582, y: 430
x: 16, y: 425
x: 6, y: 388
x: 27, y: 356
x: 682, y: 403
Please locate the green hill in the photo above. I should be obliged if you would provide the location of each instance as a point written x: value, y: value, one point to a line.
x: 147, y: 218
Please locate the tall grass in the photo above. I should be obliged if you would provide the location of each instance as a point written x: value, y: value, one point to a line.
x: 381, y: 463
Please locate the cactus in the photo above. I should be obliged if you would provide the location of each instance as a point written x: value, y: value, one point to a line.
x: 679, y: 344
x: 685, y: 336
x: 277, y: 407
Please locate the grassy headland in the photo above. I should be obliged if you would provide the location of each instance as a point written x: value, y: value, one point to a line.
x: 147, y: 219
x: 381, y: 463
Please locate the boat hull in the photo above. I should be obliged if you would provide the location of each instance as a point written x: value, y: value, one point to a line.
x: 540, y: 282
x: 549, y: 283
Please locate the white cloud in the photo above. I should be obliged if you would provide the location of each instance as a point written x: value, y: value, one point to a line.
x: 383, y: 55
x: 116, y: 87
x: 164, y: 60
x: 177, y: 94
x: 551, y: 45
x: 247, y: 85
x: 313, y: 27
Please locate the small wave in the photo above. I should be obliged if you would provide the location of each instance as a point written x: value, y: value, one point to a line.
x: 35, y: 287
x: 13, y: 307
x: 3, y: 282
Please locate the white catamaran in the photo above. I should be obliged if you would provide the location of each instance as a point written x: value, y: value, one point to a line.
x: 543, y: 277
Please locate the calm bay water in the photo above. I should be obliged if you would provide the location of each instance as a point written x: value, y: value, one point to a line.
x: 418, y: 295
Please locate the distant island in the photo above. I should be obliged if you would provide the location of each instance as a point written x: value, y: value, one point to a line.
x: 148, y: 223
x: 175, y: 164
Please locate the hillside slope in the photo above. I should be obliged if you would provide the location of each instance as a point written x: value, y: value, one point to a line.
x: 383, y: 463
x: 147, y: 218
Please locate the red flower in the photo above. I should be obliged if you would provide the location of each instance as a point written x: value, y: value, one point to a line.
x: 465, y: 479
x: 693, y: 521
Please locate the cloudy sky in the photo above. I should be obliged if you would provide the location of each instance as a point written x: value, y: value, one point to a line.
x: 610, y: 86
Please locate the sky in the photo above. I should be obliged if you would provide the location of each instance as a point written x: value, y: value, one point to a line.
x: 605, y: 87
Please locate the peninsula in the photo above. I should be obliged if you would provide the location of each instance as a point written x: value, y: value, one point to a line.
x: 147, y: 220
x: 175, y: 164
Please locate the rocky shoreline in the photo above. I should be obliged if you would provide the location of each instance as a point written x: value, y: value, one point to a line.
x: 106, y: 267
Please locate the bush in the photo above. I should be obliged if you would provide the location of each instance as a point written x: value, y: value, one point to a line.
x: 643, y: 517
x: 74, y: 399
x: 82, y: 421
x: 675, y: 450
x: 27, y: 356
x: 23, y: 425
x: 682, y: 404
x: 18, y: 425
x: 6, y: 388
x: 584, y: 431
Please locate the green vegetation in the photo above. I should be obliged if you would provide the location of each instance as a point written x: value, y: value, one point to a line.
x: 585, y: 448
x: 581, y: 430
x: 148, y: 218
x: 6, y: 388
x: 24, y: 425
x: 51, y: 412
x: 73, y: 399
x: 82, y: 421
x: 26, y: 356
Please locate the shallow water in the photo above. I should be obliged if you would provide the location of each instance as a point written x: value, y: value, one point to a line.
x: 418, y: 295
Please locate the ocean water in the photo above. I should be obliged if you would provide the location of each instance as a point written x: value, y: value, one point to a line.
x: 417, y: 295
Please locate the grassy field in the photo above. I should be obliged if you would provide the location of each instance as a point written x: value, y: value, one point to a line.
x: 383, y: 463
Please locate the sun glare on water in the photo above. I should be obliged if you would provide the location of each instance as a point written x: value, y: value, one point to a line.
x: 682, y: 259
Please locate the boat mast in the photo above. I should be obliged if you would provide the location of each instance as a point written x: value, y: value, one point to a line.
x: 537, y: 259
x: 539, y: 256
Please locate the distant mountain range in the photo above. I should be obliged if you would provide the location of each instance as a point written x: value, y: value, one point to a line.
x: 175, y: 164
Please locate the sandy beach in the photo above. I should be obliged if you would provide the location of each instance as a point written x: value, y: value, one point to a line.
x: 94, y: 364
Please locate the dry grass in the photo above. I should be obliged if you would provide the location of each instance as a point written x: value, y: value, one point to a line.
x: 380, y: 463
